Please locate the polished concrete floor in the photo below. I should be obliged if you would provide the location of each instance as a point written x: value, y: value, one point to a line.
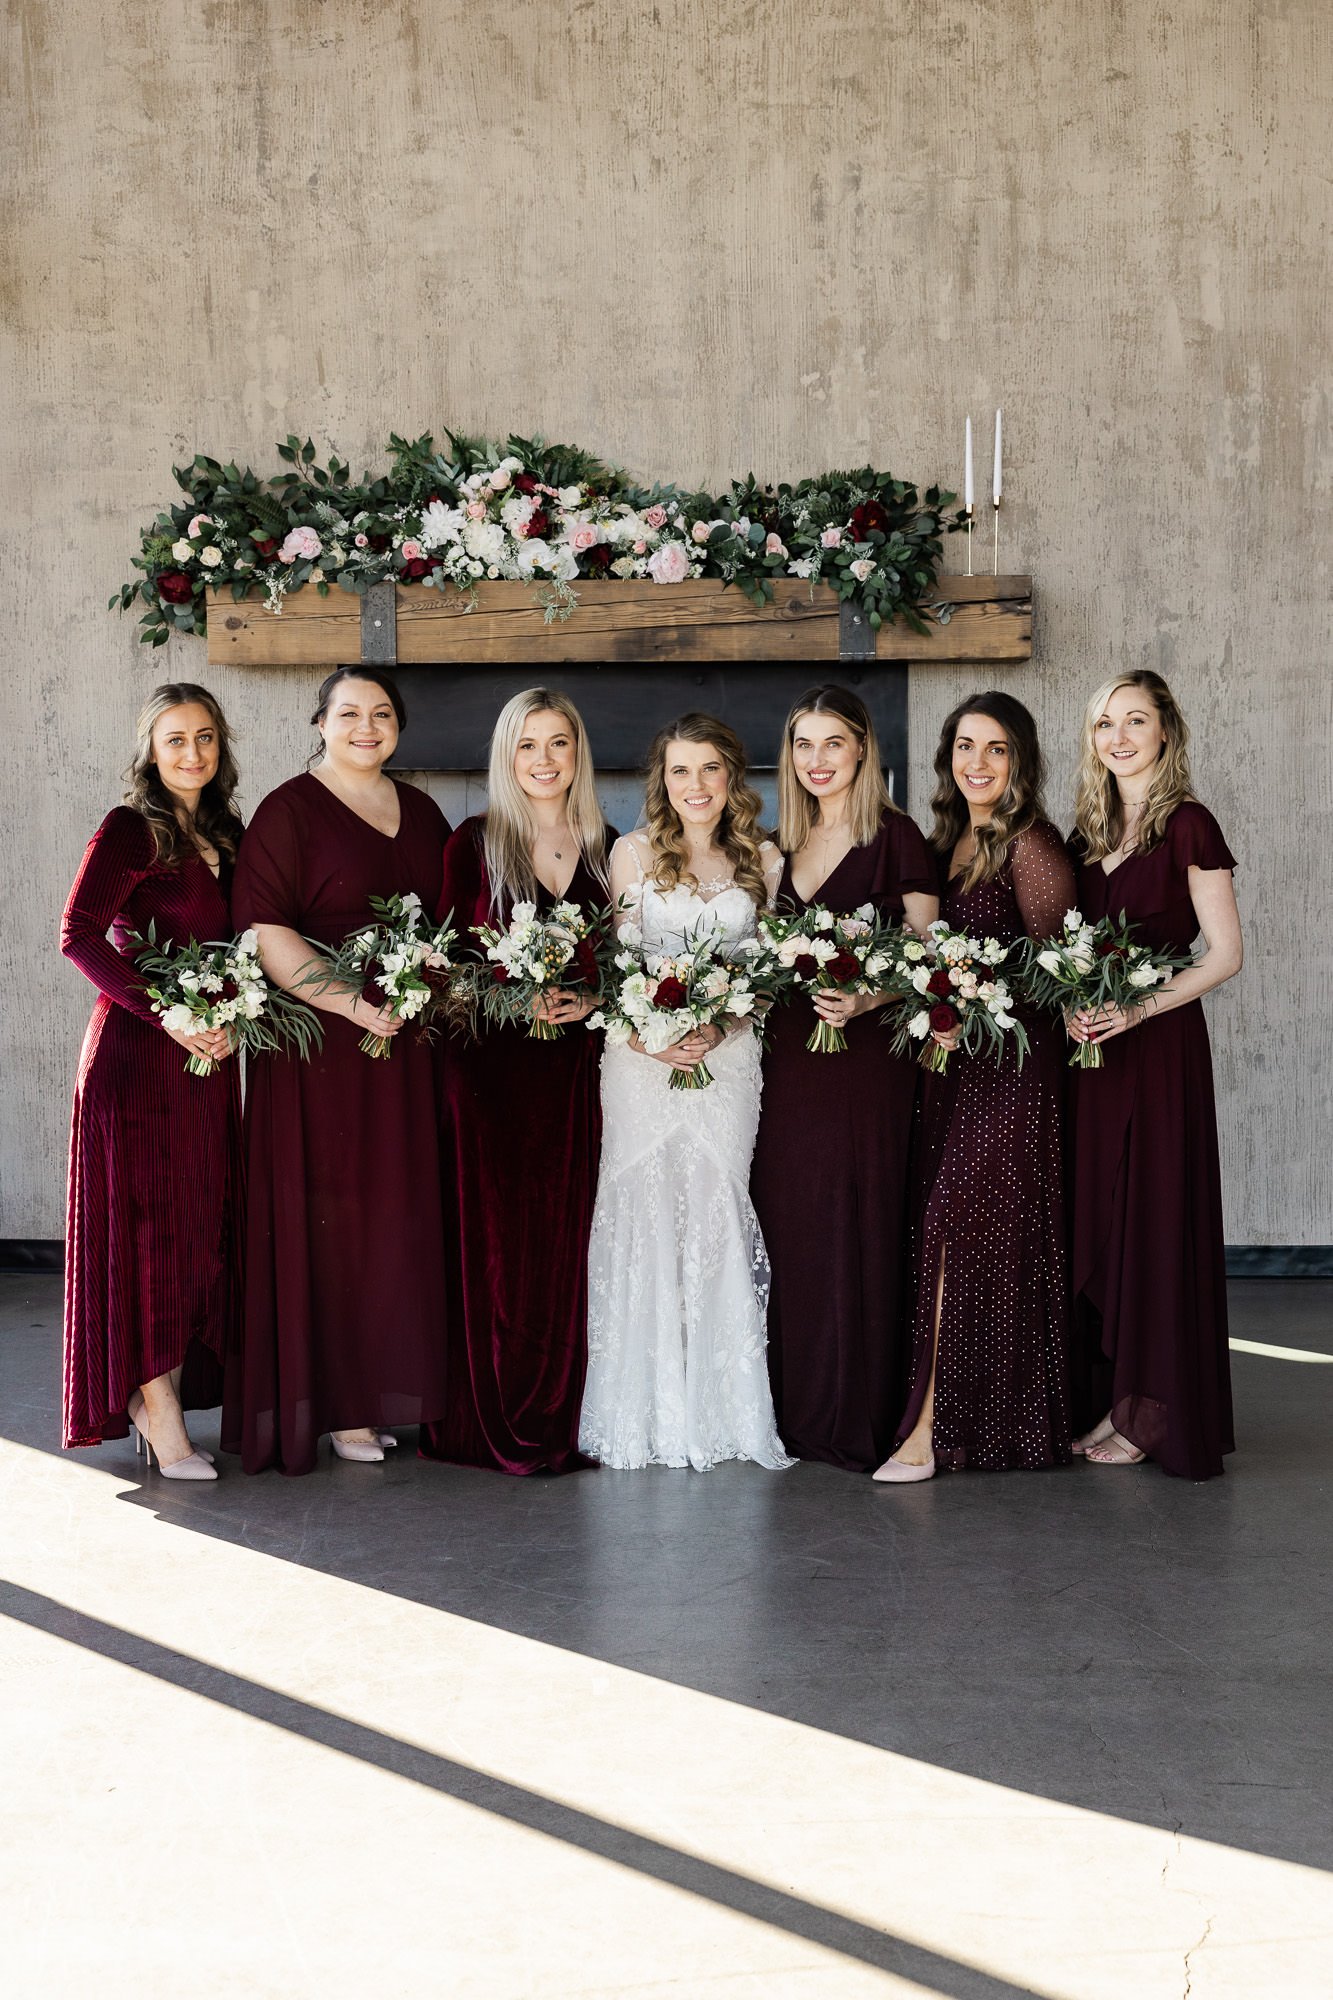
x: 744, y: 1734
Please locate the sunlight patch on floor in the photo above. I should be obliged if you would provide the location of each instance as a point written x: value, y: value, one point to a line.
x: 1277, y: 1353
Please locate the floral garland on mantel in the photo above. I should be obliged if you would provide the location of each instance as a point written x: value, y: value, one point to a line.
x: 549, y: 515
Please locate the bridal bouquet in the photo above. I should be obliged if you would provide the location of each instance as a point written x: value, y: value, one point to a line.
x: 952, y: 981
x: 1093, y: 966
x: 820, y: 952
x: 662, y: 999
x: 532, y: 956
x: 222, y: 986
x: 401, y: 963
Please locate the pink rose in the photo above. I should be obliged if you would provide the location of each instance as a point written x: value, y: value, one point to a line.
x: 701, y: 531
x: 301, y: 544
x: 476, y: 510
x: 669, y: 564
x: 362, y: 541
x: 584, y: 537
x: 412, y: 552
x: 499, y: 479
x: 656, y: 517
x: 775, y: 546
x: 198, y: 524
x: 831, y: 538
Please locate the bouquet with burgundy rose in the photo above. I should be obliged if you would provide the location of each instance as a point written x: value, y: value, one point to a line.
x: 1093, y: 966
x: 663, y: 998
x: 221, y: 985
x: 950, y: 980
x: 401, y: 963
x: 532, y: 956
x: 817, y: 951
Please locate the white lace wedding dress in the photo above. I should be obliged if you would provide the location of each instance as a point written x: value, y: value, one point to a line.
x: 677, y: 1270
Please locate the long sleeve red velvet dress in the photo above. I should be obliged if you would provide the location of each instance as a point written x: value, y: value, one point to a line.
x: 151, y: 1270
x: 1149, y: 1268
x: 829, y: 1184
x: 522, y: 1131
x: 344, y: 1320
x: 990, y: 1183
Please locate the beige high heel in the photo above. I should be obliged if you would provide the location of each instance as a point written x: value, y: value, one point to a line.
x: 360, y: 1450
x: 190, y: 1467
x: 198, y: 1449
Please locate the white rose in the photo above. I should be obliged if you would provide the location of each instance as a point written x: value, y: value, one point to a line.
x: 210, y: 557
x: 178, y: 1020
x: 523, y: 913
x: 1144, y: 975
x: 181, y: 550
x: 570, y: 496
x: 742, y: 1003
x: 914, y: 950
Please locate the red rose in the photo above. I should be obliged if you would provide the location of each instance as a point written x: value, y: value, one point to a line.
x: 939, y: 985
x: 538, y: 524
x: 806, y: 966
x: 417, y: 567
x: 174, y: 586
x: 844, y: 967
x: 379, y: 543
x: 524, y: 483
x: 868, y: 519
x: 371, y: 992
x: 670, y: 993
x: 583, y: 965
x: 432, y: 499
x: 597, y: 561
x: 266, y: 551
x: 943, y: 1020
x: 436, y: 977
x: 499, y: 975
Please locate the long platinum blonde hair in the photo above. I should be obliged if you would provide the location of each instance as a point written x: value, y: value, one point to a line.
x: 738, y: 833
x: 1099, y: 813
x: 510, y: 829
x: 798, y: 809
x: 1019, y: 806
x: 215, y: 817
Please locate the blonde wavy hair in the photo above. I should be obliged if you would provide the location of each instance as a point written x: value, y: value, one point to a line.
x: 216, y: 819
x: 1020, y: 805
x: 1099, y: 814
x: 738, y: 833
x: 509, y: 829
x: 798, y: 809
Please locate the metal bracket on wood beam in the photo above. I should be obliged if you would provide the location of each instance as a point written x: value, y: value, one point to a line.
x: 379, y: 625
x: 856, y: 634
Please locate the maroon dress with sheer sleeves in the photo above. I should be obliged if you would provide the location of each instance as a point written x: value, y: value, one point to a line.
x: 151, y: 1267
x: 990, y: 1186
x: 1149, y: 1269
x: 522, y: 1131
x: 344, y: 1292
x: 829, y: 1184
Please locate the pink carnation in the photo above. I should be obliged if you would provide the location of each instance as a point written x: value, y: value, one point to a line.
x: 584, y: 537
x: 302, y: 544
x: 656, y: 517
x: 412, y: 552
x: 670, y: 563
x: 830, y: 538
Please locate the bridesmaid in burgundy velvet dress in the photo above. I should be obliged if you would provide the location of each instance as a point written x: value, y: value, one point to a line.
x: 991, y: 1315
x: 522, y: 1117
x: 151, y: 1272
x: 1149, y: 1269
x: 344, y: 1294
x: 829, y: 1179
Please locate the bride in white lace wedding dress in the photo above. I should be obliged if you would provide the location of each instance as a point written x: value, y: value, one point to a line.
x: 677, y: 1271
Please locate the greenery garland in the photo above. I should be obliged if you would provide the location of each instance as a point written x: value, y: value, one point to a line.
x: 550, y: 515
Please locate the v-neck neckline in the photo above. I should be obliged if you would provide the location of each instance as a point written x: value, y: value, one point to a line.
x: 369, y: 824
x: 812, y: 899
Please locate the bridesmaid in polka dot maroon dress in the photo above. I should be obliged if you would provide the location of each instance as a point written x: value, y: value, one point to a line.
x: 991, y: 1317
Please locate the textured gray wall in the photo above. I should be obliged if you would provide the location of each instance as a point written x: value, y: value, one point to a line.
x: 698, y: 239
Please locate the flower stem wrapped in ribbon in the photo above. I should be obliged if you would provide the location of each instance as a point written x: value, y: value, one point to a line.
x: 532, y: 957
x: 1092, y: 966
x: 221, y: 985
x: 400, y: 963
x: 951, y: 982
x: 821, y: 952
x: 663, y: 999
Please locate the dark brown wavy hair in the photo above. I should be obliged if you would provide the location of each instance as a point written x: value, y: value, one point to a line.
x: 738, y: 833
x: 216, y: 819
x: 1020, y: 804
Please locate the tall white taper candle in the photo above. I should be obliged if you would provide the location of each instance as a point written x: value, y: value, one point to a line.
x: 967, y: 469
x: 995, y: 490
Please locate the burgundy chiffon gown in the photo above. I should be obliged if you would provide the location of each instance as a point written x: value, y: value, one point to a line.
x: 344, y: 1292
x: 991, y: 1191
x: 151, y: 1273
x: 829, y: 1184
x: 1149, y: 1270
x: 522, y: 1131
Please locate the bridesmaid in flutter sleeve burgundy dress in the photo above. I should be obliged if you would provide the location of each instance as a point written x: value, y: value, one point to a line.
x: 151, y: 1269
x: 521, y: 1118
x: 1149, y: 1271
x: 991, y: 1301
x: 344, y: 1296
x: 829, y: 1179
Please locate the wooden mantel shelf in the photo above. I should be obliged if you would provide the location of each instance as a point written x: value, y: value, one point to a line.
x: 701, y: 621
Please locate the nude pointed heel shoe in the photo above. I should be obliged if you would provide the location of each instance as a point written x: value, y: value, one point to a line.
x: 360, y: 1450
x: 132, y: 1414
x: 190, y: 1467
x: 894, y: 1473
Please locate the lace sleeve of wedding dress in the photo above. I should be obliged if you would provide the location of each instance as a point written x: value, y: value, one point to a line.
x: 772, y: 859
x: 627, y: 882
x: 1043, y: 880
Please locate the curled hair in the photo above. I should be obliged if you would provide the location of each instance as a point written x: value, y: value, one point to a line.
x: 738, y: 833
x: 510, y: 829
x: 216, y: 819
x: 869, y: 799
x: 1099, y: 811
x: 329, y: 686
x: 1019, y: 806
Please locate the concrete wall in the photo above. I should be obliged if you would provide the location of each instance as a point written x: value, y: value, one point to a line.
x: 698, y: 239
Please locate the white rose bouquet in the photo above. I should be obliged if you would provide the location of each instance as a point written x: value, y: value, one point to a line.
x: 1094, y: 966
x: 400, y: 963
x: 221, y: 985
x: 660, y: 1000
x: 819, y: 951
x: 533, y: 956
x: 952, y: 983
